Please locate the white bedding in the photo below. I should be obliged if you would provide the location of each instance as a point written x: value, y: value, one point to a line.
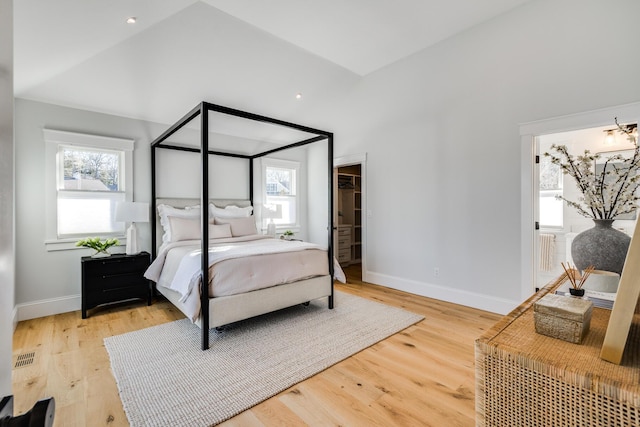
x: 274, y: 262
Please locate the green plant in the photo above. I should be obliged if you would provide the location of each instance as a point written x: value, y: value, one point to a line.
x: 97, y: 244
x: 288, y: 233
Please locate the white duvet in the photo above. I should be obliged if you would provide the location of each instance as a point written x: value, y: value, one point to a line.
x: 184, y: 258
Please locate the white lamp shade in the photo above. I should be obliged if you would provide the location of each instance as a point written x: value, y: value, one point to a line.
x: 132, y: 212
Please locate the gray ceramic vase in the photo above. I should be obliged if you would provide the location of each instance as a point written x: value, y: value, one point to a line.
x: 602, y: 246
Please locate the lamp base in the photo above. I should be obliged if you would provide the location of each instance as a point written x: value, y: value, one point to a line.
x: 271, y: 229
x: 132, y: 240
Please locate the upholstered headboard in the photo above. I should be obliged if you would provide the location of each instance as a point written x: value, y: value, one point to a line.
x: 181, y: 203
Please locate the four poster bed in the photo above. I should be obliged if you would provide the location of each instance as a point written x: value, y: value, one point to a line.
x: 245, y: 273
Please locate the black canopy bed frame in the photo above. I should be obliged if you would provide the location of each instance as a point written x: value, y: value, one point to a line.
x: 202, y: 111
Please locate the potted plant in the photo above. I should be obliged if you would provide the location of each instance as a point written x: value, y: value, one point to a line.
x: 287, y: 235
x: 605, y: 195
x: 98, y: 245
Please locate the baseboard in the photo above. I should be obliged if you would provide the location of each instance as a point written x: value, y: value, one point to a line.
x: 456, y: 296
x: 48, y: 307
x: 14, y: 318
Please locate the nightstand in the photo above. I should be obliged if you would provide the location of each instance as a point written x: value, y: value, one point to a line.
x: 115, y: 278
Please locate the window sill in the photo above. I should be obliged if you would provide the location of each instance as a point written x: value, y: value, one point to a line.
x: 70, y: 244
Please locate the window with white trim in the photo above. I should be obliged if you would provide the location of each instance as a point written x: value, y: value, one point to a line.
x: 86, y: 176
x: 551, y: 207
x: 280, y: 181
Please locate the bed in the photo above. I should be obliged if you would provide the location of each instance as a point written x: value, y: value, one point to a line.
x: 225, y: 291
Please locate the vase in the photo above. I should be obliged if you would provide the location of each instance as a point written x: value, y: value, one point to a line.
x: 101, y: 254
x: 602, y: 246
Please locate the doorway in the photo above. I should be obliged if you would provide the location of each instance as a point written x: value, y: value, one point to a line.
x: 529, y: 137
x: 349, y: 202
x: 558, y: 222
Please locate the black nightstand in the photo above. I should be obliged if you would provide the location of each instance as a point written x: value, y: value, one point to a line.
x: 115, y: 278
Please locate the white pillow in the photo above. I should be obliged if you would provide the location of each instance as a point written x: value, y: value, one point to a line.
x: 239, y: 226
x: 189, y: 229
x: 229, y: 211
x: 166, y: 211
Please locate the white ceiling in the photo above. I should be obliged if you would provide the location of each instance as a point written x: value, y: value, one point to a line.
x: 242, y: 53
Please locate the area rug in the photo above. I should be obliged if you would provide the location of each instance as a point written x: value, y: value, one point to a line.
x: 164, y: 379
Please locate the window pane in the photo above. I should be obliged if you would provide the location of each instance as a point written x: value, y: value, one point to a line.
x: 280, y: 182
x: 550, y: 175
x: 90, y: 170
x: 550, y: 209
x: 88, y: 214
x: 288, y: 209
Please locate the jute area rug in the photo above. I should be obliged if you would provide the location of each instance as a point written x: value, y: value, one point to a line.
x: 164, y: 379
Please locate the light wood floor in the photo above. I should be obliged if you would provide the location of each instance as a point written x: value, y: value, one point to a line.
x: 423, y: 376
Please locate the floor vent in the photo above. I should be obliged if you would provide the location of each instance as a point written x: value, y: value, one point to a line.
x: 25, y: 359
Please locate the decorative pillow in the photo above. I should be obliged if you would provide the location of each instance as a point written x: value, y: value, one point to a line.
x: 166, y: 211
x: 184, y: 228
x: 239, y: 226
x: 219, y: 231
x: 229, y: 211
x: 189, y: 229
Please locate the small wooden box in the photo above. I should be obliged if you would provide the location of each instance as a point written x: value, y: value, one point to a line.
x: 563, y: 317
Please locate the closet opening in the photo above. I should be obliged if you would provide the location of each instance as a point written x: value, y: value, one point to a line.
x: 348, y: 219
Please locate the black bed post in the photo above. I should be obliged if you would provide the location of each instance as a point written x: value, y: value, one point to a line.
x: 153, y: 203
x: 204, y: 203
x: 330, y: 221
x: 251, y: 163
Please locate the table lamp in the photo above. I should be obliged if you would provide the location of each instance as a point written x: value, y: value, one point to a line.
x: 132, y: 212
x: 271, y: 212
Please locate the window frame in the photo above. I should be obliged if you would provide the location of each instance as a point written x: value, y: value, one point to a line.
x: 553, y: 192
x: 54, y: 141
x: 282, y: 164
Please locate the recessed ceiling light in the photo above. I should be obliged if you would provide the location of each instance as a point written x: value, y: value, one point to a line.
x: 131, y: 20
x: 298, y: 95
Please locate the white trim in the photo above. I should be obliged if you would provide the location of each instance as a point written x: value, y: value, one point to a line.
x: 284, y: 164
x: 455, y: 296
x: 53, y: 139
x: 70, y: 244
x: 529, y: 131
x: 49, y: 307
x: 14, y: 318
x: 87, y: 140
x: 361, y: 159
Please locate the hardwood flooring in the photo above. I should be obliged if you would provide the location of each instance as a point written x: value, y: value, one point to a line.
x: 423, y: 376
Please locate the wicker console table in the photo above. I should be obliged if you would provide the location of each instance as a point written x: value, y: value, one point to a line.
x: 531, y: 380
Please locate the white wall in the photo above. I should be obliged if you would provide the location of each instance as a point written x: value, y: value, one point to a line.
x: 58, y: 290
x: 7, y: 254
x: 441, y: 132
x: 178, y: 176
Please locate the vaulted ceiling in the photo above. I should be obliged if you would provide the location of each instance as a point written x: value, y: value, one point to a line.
x: 242, y: 53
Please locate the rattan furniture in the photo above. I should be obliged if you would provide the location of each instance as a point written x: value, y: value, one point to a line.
x: 527, y: 379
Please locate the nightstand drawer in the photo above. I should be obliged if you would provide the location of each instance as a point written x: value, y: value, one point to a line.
x: 117, y: 265
x: 114, y: 281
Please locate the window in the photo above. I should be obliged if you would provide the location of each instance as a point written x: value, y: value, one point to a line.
x: 280, y: 191
x: 86, y: 176
x: 551, y: 208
